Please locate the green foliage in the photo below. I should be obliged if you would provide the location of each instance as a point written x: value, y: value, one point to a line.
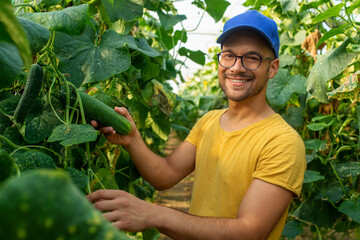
x: 116, y: 51
x: 316, y: 91
x: 34, y: 213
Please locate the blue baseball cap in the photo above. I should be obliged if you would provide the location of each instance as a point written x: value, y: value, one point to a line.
x: 253, y: 20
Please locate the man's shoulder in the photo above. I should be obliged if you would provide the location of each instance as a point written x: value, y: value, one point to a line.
x: 278, y: 128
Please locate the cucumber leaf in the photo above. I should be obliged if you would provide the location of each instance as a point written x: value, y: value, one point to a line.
x: 71, y: 20
x: 283, y: 86
x: 351, y: 208
x: 10, y: 64
x: 123, y: 9
x: 37, y: 34
x: 45, y: 204
x: 72, y: 134
x: 327, y: 67
x: 348, y: 169
x: 41, y: 120
x: 14, y: 30
x: 32, y: 159
x: 85, y: 60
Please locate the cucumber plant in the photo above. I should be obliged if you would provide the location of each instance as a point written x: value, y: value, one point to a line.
x: 93, y: 55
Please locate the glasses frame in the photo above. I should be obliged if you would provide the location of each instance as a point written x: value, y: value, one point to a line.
x: 242, y: 61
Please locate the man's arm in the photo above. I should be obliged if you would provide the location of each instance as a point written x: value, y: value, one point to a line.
x: 259, y: 211
x: 162, y: 173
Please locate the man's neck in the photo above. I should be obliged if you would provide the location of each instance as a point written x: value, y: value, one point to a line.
x: 244, y: 113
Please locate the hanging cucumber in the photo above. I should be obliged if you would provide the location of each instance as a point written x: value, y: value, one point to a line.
x: 104, y: 114
x: 32, y: 89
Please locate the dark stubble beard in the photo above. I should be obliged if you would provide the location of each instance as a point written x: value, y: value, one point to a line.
x: 249, y: 92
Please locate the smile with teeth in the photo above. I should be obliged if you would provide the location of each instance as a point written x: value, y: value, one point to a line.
x: 238, y: 80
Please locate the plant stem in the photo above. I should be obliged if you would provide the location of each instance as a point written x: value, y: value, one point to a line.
x: 8, y: 141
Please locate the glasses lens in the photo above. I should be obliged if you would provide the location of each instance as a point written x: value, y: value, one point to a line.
x: 251, y: 61
x: 227, y: 59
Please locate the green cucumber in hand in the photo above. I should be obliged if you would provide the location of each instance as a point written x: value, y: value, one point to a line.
x: 104, y: 115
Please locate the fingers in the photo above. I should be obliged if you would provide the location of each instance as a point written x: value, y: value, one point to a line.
x: 94, y: 123
x: 123, y: 111
x: 104, y: 194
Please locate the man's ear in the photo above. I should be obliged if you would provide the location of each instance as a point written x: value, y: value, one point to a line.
x: 274, y: 67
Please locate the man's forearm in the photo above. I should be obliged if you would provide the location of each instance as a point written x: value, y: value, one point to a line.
x: 180, y: 226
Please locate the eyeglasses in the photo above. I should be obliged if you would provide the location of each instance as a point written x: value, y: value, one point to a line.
x: 250, y: 61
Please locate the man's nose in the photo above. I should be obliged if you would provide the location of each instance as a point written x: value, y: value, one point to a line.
x: 238, y: 66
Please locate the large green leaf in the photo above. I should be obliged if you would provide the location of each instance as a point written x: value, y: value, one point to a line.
x: 45, y: 204
x: 283, y: 86
x: 37, y: 34
x: 32, y: 159
x: 15, y: 31
x: 351, y: 208
x: 216, y: 8
x: 41, y: 121
x: 348, y: 169
x: 318, y: 212
x: 123, y: 9
x: 10, y: 64
x: 72, y: 134
x: 85, y: 60
x: 327, y: 67
x: 332, y: 192
x: 168, y: 20
x: 71, y: 20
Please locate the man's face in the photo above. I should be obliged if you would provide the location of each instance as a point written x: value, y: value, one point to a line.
x: 239, y: 83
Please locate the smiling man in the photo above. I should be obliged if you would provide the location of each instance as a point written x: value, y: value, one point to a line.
x: 248, y: 162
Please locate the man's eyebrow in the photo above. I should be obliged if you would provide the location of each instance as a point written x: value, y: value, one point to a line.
x: 250, y: 52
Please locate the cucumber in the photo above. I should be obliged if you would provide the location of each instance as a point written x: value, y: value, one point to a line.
x: 104, y: 115
x: 32, y: 89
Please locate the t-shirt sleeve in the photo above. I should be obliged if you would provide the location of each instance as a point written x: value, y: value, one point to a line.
x: 282, y: 162
x: 195, y: 132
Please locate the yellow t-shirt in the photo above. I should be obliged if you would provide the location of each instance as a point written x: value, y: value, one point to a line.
x: 227, y: 162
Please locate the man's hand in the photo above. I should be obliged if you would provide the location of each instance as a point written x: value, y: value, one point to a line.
x: 111, y: 134
x: 124, y: 210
